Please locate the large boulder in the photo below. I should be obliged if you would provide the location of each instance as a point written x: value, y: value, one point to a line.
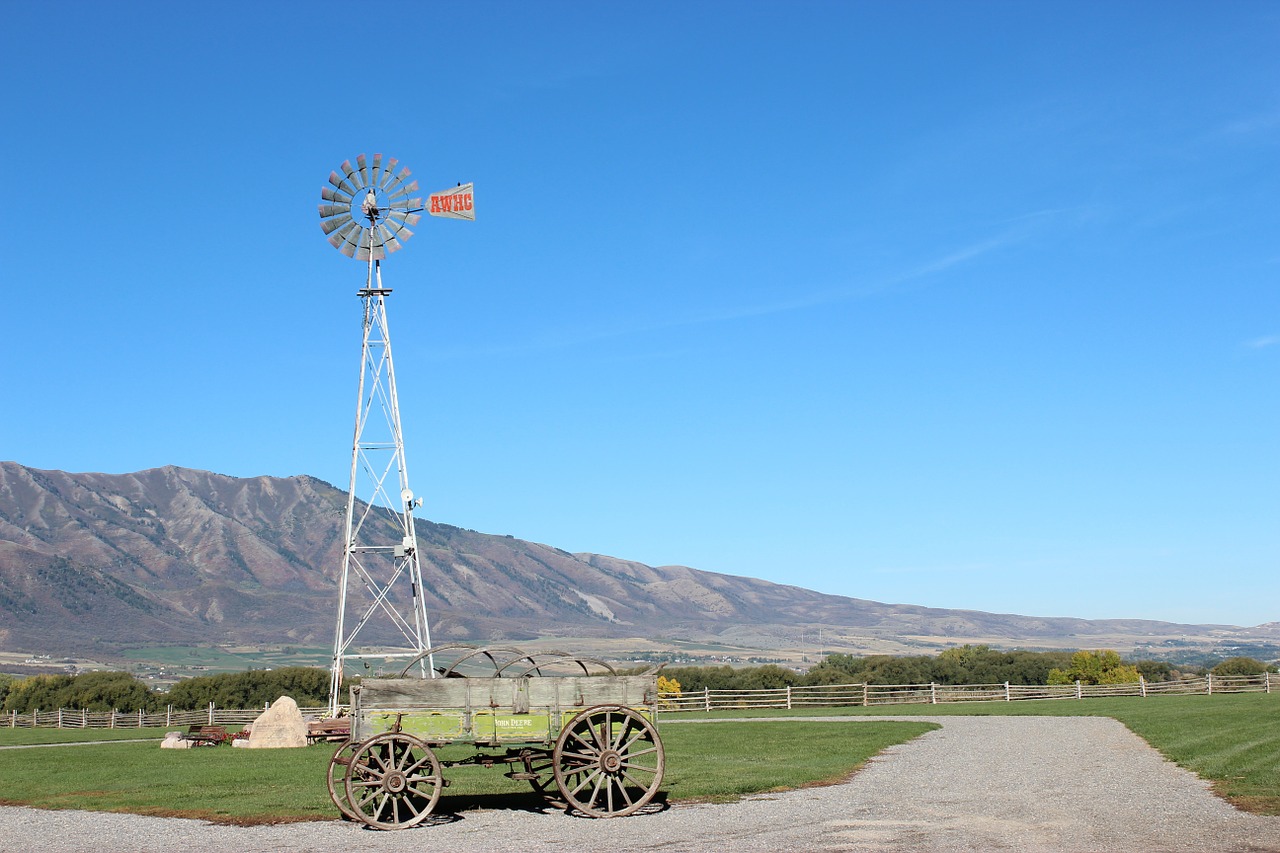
x: 279, y: 726
x: 173, y: 740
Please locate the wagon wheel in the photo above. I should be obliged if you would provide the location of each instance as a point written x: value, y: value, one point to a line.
x: 540, y: 763
x: 339, y: 769
x: 608, y: 761
x: 394, y: 781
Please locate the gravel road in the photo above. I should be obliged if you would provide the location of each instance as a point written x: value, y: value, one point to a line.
x: 1059, y: 784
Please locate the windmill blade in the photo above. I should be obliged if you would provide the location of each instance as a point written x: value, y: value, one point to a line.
x: 327, y: 210
x: 375, y: 170
x: 393, y: 245
x: 400, y: 228
x: 353, y: 176
x: 410, y: 187
x: 363, y: 253
x: 336, y: 240
x: 362, y: 164
x: 406, y: 204
x: 357, y: 242
x: 341, y: 184
x: 406, y: 218
x: 381, y: 235
x: 331, y: 225
x: 330, y: 194
x: 388, y: 175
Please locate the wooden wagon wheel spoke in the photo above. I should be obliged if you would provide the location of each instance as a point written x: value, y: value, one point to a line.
x: 637, y: 753
x: 593, y: 745
x: 626, y: 747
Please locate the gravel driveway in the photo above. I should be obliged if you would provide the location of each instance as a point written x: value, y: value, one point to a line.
x: 979, y: 783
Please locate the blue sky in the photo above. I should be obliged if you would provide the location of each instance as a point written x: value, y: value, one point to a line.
x: 967, y: 305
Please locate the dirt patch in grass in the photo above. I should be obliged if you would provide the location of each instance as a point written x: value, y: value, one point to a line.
x: 1252, y: 803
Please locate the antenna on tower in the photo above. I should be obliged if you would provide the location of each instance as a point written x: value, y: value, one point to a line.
x: 380, y: 592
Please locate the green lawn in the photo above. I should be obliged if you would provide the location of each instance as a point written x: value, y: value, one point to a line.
x: 1231, y: 740
x: 704, y: 763
x: 10, y: 737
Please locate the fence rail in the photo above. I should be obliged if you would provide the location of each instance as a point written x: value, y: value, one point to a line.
x: 935, y: 694
x: 827, y: 695
x: 66, y: 718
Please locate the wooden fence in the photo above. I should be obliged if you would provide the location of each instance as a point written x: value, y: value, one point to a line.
x: 65, y: 718
x: 916, y: 694
x: 831, y: 695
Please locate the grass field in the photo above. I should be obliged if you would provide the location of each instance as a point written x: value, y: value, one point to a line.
x: 1231, y: 740
x: 207, y: 660
x: 22, y: 737
x: 704, y: 763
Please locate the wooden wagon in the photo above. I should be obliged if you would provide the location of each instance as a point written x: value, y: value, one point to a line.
x: 589, y: 741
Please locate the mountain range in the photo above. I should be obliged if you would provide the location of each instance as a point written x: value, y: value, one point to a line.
x: 101, y: 562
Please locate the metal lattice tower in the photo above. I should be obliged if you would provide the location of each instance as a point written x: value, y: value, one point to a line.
x: 380, y: 593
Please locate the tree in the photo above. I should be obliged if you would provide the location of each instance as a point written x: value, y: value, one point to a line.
x: 35, y: 693
x: 1101, y: 667
x: 108, y: 691
x: 1241, y: 666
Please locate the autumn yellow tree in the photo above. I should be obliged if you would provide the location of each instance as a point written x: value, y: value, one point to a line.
x: 1100, y: 667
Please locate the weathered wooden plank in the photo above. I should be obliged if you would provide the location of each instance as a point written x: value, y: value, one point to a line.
x: 490, y: 710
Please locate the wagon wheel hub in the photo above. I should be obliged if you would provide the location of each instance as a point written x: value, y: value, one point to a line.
x: 394, y: 782
x: 610, y: 761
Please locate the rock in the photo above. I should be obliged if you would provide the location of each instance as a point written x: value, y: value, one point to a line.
x: 243, y: 743
x: 279, y: 726
x: 173, y: 740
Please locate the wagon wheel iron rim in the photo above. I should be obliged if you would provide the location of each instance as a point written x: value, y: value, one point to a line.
x: 547, y: 658
x: 394, y: 781
x: 608, y: 761
x: 339, y: 769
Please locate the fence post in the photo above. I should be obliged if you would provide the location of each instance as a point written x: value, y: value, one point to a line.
x: 1208, y: 683
x: 168, y: 716
x: 84, y: 718
x: 59, y: 718
x: 788, y: 697
x: 139, y: 718
x: 113, y: 718
x: 1079, y: 693
x: 706, y: 696
x: 211, y: 713
x: 933, y: 693
x: 13, y: 719
x: 1142, y: 683
x: 864, y: 694
x: 1007, y: 697
x: 1267, y: 688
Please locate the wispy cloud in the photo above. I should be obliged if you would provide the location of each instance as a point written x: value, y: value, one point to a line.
x: 1262, y: 342
x: 564, y: 338
x: 1253, y: 124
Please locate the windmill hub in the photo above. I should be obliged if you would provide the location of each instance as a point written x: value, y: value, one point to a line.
x: 369, y: 207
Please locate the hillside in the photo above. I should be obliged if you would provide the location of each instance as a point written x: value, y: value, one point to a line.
x: 173, y: 555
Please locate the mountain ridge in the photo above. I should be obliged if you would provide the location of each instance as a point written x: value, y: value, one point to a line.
x: 179, y: 555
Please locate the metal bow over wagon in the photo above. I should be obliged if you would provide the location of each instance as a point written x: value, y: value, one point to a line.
x: 588, y: 741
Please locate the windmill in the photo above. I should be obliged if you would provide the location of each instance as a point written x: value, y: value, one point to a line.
x: 367, y: 212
